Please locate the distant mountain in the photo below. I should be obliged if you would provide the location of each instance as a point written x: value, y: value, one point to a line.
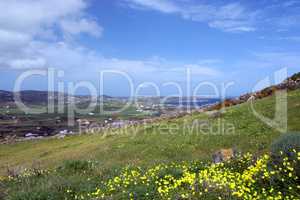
x: 6, y: 96
x: 42, y: 97
x: 27, y: 96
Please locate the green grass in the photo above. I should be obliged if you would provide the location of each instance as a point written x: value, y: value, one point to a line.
x: 169, y: 140
x: 162, y: 142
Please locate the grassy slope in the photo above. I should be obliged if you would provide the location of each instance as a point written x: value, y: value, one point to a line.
x: 147, y: 147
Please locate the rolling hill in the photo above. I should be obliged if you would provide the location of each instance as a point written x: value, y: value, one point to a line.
x: 164, y: 141
x: 194, y: 137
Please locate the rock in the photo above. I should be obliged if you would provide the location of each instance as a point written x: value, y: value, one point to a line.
x: 9, y: 139
x: 61, y: 136
x: 30, y: 135
x: 214, y: 114
x: 14, y: 172
x: 224, y: 155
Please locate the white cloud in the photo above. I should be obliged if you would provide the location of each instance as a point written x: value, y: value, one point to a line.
x: 291, y: 38
x: 29, y: 29
x: 231, y: 17
x: 202, y: 70
x: 72, y: 58
x: 266, y: 61
x: 28, y: 63
x: 160, y: 5
x: 282, y: 59
x: 209, y: 61
x: 12, y: 39
x: 281, y: 16
x: 31, y: 15
x: 228, y: 16
x: 74, y: 27
x: 231, y: 26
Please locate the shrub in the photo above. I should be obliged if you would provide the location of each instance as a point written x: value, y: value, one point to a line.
x: 286, y: 143
x: 76, y: 166
x: 295, y: 76
x: 244, y: 177
x: 285, y: 148
x: 2, y: 191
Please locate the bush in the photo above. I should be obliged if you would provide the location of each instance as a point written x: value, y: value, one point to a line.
x: 286, y: 143
x: 76, y: 166
x: 295, y: 76
x: 286, y: 148
x: 244, y: 177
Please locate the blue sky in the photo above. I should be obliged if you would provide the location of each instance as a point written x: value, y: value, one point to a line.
x: 150, y: 40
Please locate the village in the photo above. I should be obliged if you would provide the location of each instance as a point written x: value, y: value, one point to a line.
x: 20, y: 127
x: 17, y: 127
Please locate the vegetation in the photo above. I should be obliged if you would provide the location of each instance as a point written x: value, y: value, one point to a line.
x: 15, y: 122
x: 285, y: 143
x: 295, y: 76
x: 180, y: 147
x: 241, y: 178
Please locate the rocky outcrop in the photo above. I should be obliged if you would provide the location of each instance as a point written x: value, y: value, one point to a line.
x: 289, y: 84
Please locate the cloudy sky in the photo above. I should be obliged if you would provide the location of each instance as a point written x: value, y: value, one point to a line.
x: 150, y: 40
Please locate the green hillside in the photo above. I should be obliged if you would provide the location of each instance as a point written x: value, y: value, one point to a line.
x: 173, y: 140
